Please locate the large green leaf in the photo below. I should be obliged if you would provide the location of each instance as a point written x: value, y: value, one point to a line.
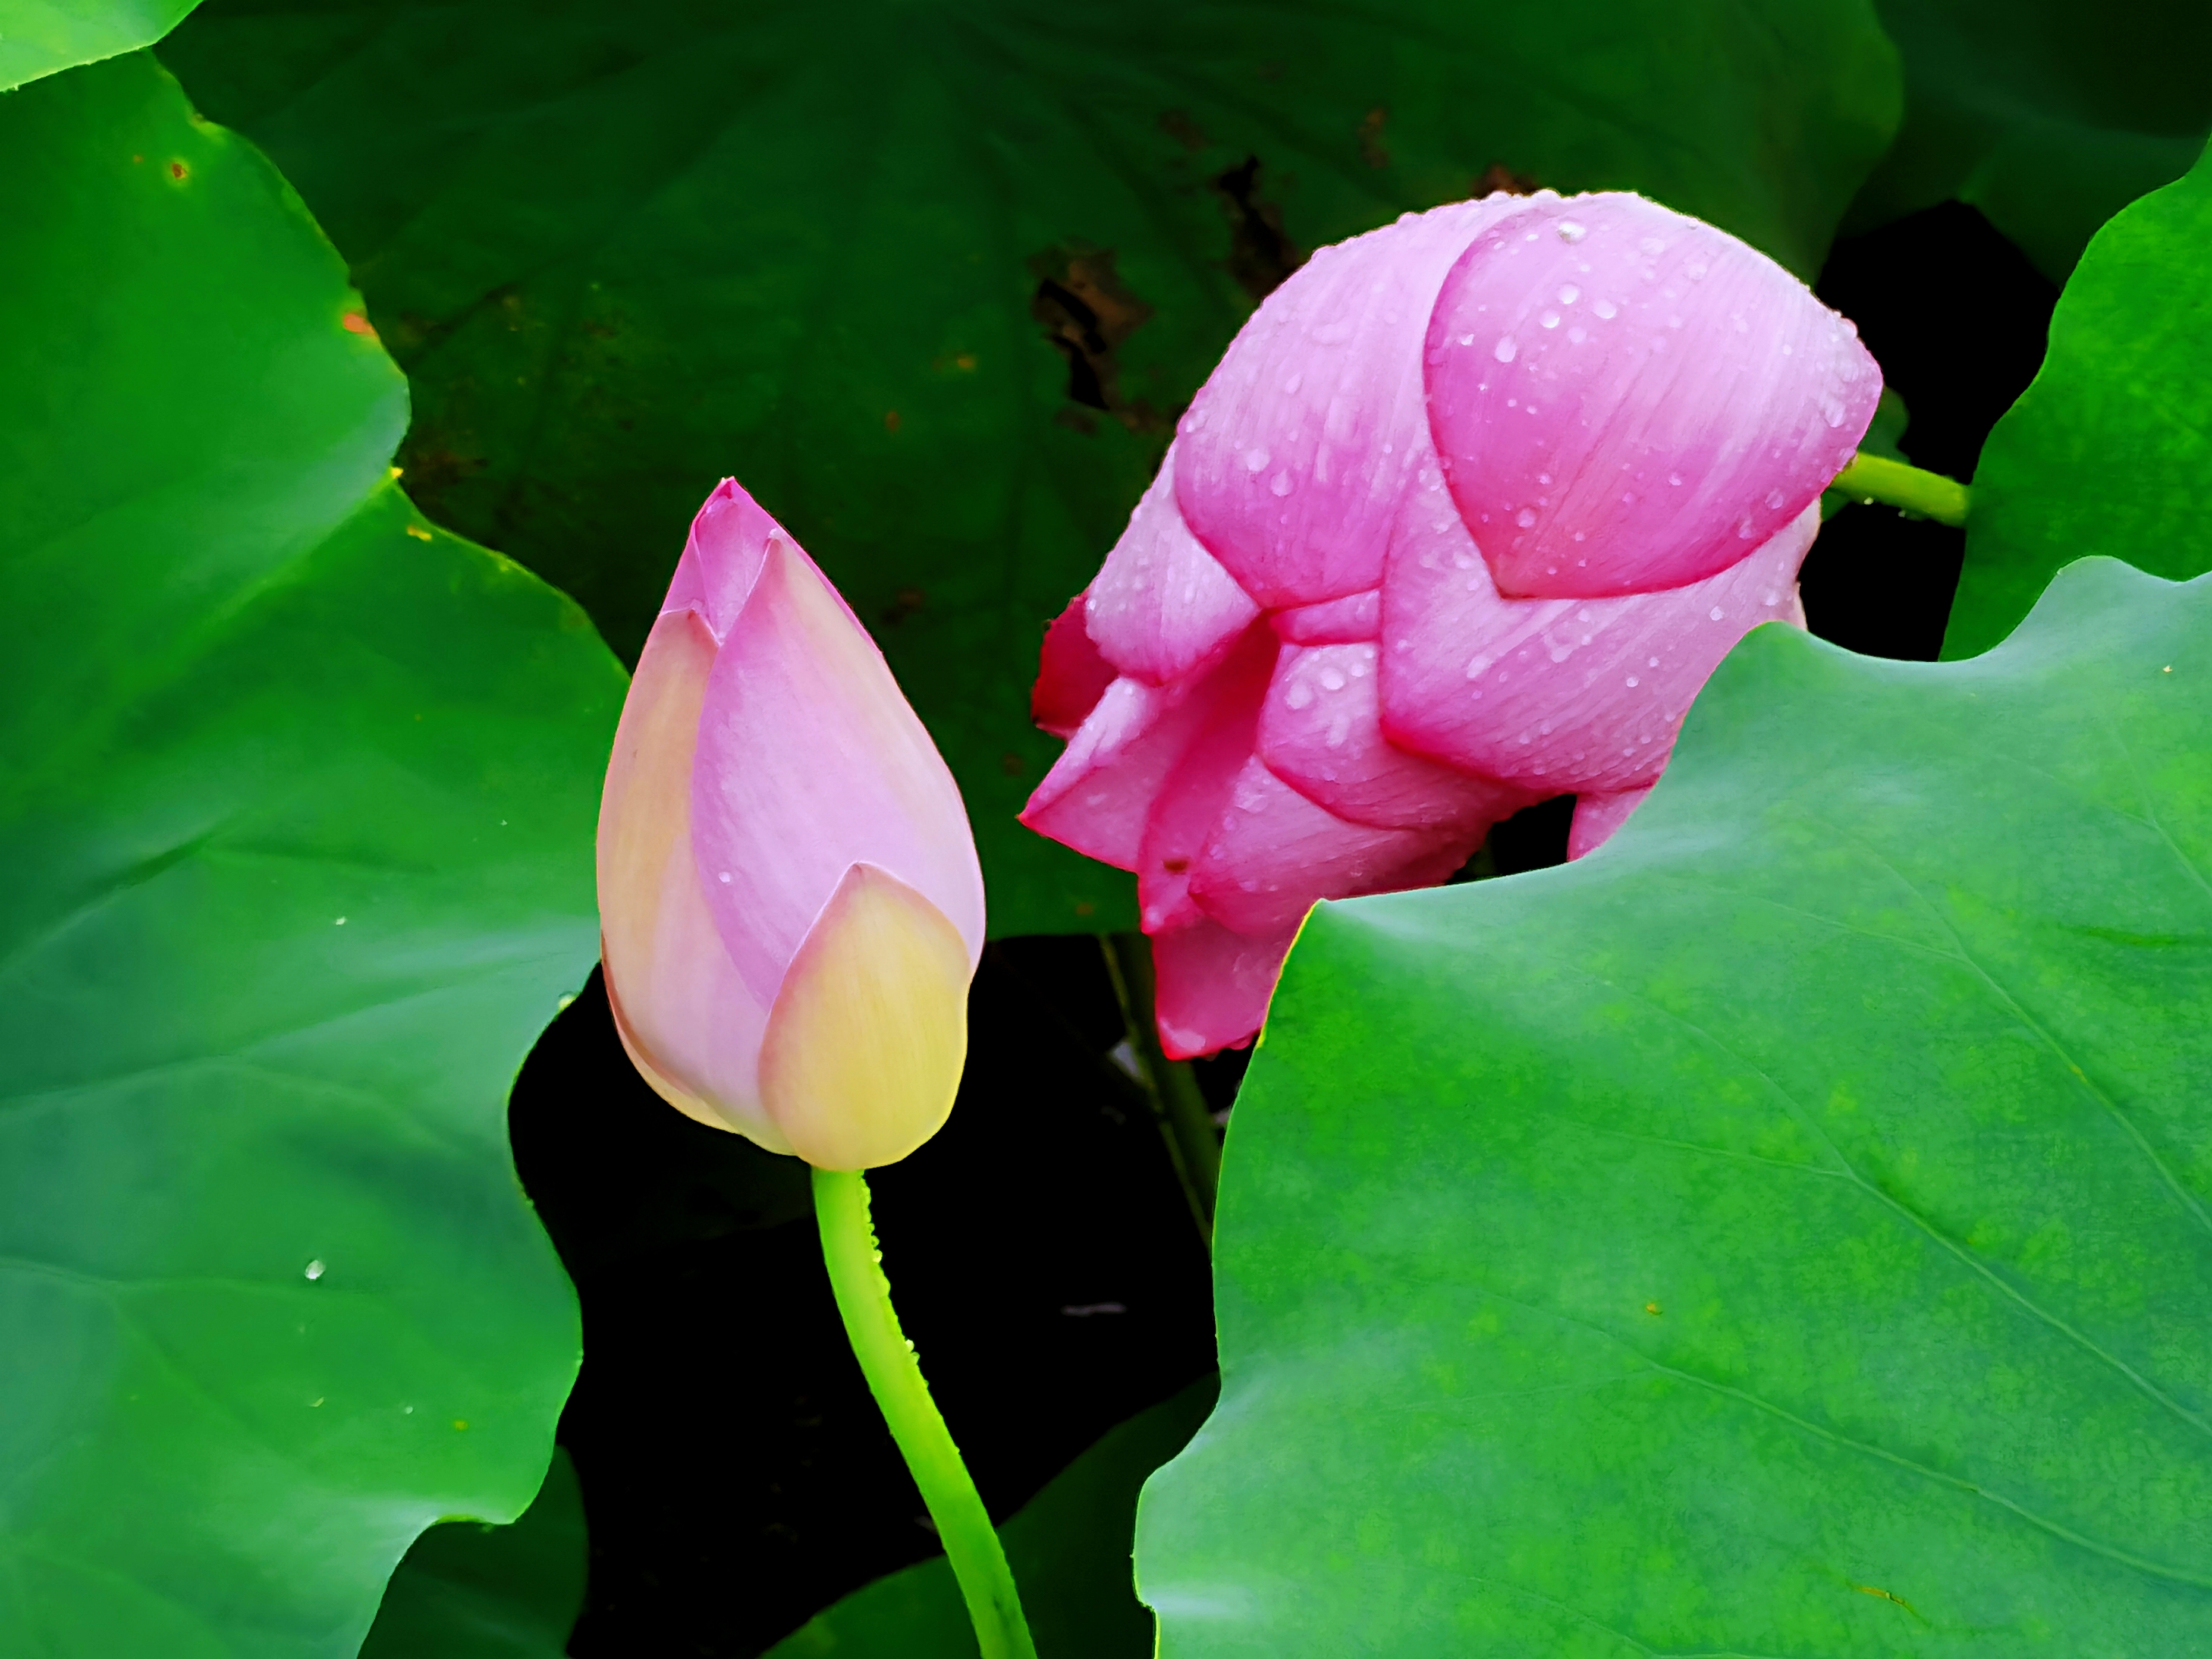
x: 1069, y: 1550
x: 471, y: 1591
x: 2049, y: 115
x: 38, y: 37
x: 1784, y: 1232
x: 622, y: 250
x: 2110, y: 450
x: 296, y: 819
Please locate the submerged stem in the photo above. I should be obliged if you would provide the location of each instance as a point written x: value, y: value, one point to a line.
x: 894, y: 1374
x: 1178, y: 1106
x: 1930, y: 495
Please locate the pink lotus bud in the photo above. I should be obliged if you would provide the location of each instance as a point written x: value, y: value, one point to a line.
x: 1463, y: 520
x: 789, y: 900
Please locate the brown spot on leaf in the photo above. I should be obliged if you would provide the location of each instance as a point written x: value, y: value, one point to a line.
x: 1261, y: 254
x: 905, y: 603
x: 1498, y: 176
x: 1088, y: 312
x: 354, y: 323
x: 891, y: 420
x: 1370, y: 138
x: 179, y: 170
x: 1180, y: 125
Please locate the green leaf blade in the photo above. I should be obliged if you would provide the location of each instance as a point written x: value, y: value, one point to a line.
x: 39, y: 37
x: 297, y: 820
x: 1783, y: 1231
x: 2048, y: 116
x: 2108, y: 450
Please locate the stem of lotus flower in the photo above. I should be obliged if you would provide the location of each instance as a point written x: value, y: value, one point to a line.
x: 1928, y: 495
x: 894, y: 1374
x: 1178, y: 1105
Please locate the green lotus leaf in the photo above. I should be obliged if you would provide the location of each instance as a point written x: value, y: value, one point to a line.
x: 296, y: 818
x: 1787, y: 1230
x: 2048, y: 115
x: 2110, y: 449
x: 467, y: 1591
x: 38, y: 37
x: 1069, y: 1550
x: 933, y: 281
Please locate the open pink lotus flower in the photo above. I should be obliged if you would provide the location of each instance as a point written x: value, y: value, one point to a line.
x: 790, y: 905
x: 1463, y: 520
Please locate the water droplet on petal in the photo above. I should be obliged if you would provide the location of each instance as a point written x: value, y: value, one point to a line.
x: 1280, y: 484
x: 1607, y: 309
x: 1526, y: 518
x: 1717, y: 614
x: 1569, y: 294
x: 1572, y: 230
x: 1506, y: 350
x: 1256, y: 460
x: 1549, y: 319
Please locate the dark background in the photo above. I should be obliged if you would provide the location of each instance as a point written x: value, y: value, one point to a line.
x: 735, y: 1476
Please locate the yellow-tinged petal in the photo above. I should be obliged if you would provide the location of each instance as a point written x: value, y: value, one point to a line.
x: 869, y: 1030
x: 685, y: 1015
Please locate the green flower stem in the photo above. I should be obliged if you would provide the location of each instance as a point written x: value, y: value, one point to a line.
x: 1928, y: 495
x: 1178, y: 1106
x: 894, y: 1374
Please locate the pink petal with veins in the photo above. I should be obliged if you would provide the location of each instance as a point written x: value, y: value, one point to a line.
x: 1628, y: 400
x: 1556, y: 694
x: 1293, y: 454
x: 1332, y: 622
x: 1214, y: 986
x: 811, y: 761
x: 1320, y: 732
x: 1162, y: 605
x: 1100, y: 793
x: 1272, y: 853
x: 1597, y: 816
x: 1191, y: 798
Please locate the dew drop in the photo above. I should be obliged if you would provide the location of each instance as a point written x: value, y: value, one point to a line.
x: 1549, y: 319
x: 1607, y: 309
x: 1632, y: 681
x: 1570, y: 294
x: 1717, y: 614
x: 1578, y: 334
x: 1281, y: 483
x: 1506, y: 350
x: 1256, y: 460
x: 315, y: 1270
x: 1526, y: 518
x: 1572, y: 230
